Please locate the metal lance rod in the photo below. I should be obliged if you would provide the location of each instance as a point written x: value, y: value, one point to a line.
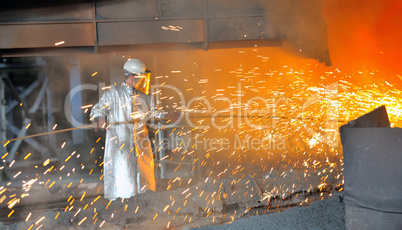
x: 160, y: 119
x: 70, y: 129
x: 47, y: 133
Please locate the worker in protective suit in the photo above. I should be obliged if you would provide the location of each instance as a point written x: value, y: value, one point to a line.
x: 128, y: 159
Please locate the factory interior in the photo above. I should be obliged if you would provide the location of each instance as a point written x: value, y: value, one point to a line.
x: 271, y: 114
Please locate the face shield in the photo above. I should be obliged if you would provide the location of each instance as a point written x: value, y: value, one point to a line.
x: 142, y: 81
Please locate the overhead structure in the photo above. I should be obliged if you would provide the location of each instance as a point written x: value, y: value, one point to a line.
x: 101, y: 26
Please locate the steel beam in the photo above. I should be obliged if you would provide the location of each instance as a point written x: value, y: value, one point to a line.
x: 3, y: 127
x: 27, y: 120
x: 52, y: 140
x: 39, y: 98
x: 14, y: 92
x: 76, y: 101
x: 10, y: 157
x: 36, y: 145
x: 28, y: 91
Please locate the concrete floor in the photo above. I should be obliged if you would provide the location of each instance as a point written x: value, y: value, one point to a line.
x: 76, y: 201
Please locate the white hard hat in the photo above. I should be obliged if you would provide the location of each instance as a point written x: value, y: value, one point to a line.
x: 135, y: 66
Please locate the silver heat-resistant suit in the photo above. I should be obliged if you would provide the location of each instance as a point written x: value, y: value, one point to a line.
x: 128, y: 159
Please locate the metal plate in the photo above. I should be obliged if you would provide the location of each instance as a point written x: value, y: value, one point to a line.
x: 182, y: 8
x: 240, y: 28
x: 375, y: 118
x: 126, y: 9
x: 373, y: 168
x: 148, y: 32
x: 46, y: 35
x: 357, y: 218
x: 34, y: 11
x: 222, y: 8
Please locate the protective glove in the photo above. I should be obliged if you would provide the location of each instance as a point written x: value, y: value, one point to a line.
x: 99, y: 123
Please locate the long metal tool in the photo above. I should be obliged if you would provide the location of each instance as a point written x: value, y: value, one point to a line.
x: 68, y: 129
x: 158, y: 119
